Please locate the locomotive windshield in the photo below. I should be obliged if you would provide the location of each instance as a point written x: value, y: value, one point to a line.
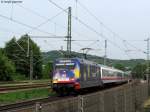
x: 68, y: 66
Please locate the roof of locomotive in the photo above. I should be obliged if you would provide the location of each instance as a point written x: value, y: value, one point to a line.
x: 78, y: 59
x: 90, y: 62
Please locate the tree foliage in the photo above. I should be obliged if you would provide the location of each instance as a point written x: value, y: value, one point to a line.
x: 7, y: 69
x: 18, y: 52
x: 120, y: 67
x: 47, y: 70
x: 139, y: 70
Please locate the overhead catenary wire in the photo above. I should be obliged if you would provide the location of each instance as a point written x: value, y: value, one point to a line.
x: 49, y: 20
x: 90, y: 44
x: 106, y: 27
x: 34, y: 12
x: 9, y: 31
x: 23, y: 24
x: 88, y: 27
x: 84, y: 25
x: 47, y: 55
x: 12, y: 10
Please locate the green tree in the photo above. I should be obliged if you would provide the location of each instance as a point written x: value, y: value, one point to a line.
x: 120, y: 67
x: 139, y: 71
x: 19, y: 53
x: 7, y: 69
x: 11, y: 49
x: 48, y: 70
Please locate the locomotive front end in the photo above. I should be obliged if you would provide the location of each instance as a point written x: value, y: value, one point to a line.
x: 65, y: 76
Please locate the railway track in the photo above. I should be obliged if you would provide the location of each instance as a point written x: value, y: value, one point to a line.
x: 20, y: 87
x: 26, y: 104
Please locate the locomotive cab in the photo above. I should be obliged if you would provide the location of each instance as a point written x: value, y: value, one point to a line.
x: 65, y: 76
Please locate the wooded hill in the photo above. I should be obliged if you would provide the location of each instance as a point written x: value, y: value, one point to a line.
x: 52, y: 55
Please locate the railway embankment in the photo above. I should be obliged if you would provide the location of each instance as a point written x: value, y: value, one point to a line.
x: 125, y: 98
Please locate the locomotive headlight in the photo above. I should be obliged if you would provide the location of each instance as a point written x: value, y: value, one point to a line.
x: 56, y: 76
x: 72, y: 79
x: 55, y: 80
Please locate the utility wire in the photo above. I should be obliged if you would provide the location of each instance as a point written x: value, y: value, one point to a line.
x: 82, y: 40
x: 87, y: 26
x: 44, y: 17
x: 48, y: 55
x: 90, y: 44
x: 8, y: 31
x: 57, y: 6
x: 12, y: 9
x: 23, y: 24
x: 101, y: 23
x: 32, y: 11
x: 99, y: 34
x: 37, y: 14
x: 48, y: 19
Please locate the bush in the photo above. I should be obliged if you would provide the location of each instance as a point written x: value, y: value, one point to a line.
x: 7, y: 69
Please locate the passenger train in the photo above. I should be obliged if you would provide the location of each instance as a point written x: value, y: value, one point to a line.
x: 76, y: 74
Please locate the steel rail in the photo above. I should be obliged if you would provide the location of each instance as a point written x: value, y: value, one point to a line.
x: 31, y: 103
x: 19, y: 87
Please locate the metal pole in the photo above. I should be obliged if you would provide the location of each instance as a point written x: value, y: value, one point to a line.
x: 38, y: 107
x: 105, y: 56
x: 28, y: 47
x: 31, y: 65
x: 148, y: 44
x: 69, y: 32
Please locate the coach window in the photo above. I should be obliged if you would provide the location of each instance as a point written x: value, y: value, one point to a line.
x: 97, y: 71
x: 111, y: 73
x: 85, y: 72
x: 119, y: 74
x: 91, y: 71
x: 116, y: 73
x: 105, y: 72
x: 94, y: 71
x: 88, y: 67
x: 82, y: 71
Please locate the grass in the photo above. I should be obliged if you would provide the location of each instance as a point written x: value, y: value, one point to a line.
x: 18, y: 96
x: 147, y: 106
x: 7, y: 83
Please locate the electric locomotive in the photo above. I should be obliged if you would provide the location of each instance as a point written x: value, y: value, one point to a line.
x: 75, y: 74
x: 72, y: 75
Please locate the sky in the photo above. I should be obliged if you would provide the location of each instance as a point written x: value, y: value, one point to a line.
x: 123, y: 23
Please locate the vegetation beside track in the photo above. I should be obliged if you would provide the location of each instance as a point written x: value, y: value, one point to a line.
x: 147, y: 106
x: 18, y: 96
x: 147, y: 103
x: 7, y: 83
